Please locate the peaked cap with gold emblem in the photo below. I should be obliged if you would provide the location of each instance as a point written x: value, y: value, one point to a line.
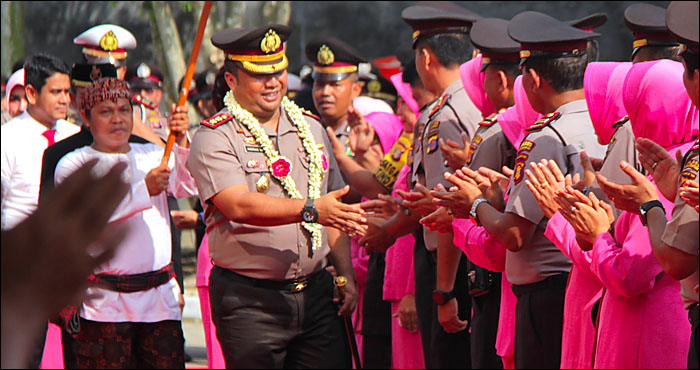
x: 83, y: 75
x: 333, y: 59
x: 541, y: 36
x: 648, y: 25
x: 439, y: 17
x: 259, y: 50
x: 106, y: 43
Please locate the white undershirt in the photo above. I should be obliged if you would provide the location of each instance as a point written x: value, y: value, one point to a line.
x: 147, y: 247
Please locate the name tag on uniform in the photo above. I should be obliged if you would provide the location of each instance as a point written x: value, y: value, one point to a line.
x: 253, y: 149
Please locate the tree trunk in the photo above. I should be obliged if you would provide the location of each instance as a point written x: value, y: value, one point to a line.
x: 168, y: 52
x: 12, y: 25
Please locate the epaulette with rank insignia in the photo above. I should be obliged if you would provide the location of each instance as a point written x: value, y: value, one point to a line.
x: 490, y: 120
x: 143, y: 101
x: 438, y: 105
x: 621, y: 122
x: 696, y: 146
x: 308, y: 113
x: 217, y: 120
x: 544, y: 121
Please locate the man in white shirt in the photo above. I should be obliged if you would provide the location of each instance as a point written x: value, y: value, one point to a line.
x: 132, y: 318
x: 24, y: 139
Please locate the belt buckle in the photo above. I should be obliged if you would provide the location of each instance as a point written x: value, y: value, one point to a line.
x: 300, y: 285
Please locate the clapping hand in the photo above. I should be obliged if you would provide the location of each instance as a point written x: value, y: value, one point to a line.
x: 689, y: 194
x: 629, y: 197
x: 661, y: 166
x: 455, y: 155
x: 588, y: 216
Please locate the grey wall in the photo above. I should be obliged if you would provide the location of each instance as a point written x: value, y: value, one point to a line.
x: 374, y: 28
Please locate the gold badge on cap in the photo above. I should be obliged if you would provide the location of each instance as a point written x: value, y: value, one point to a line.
x: 262, y: 184
x: 109, y: 41
x: 96, y: 73
x: 143, y: 71
x: 325, y: 56
x: 270, y: 42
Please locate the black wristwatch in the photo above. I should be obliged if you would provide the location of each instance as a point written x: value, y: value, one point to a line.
x: 309, y: 213
x: 440, y: 297
x: 646, y: 207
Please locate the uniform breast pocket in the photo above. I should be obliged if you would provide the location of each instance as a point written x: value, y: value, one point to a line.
x: 258, y: 174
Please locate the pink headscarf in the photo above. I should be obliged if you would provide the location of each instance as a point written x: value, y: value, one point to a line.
x: 602, y: 84
x: 366, y: 105
x: 404, y: 90
x: 658, y: 104
x: 17, y: 79
x: 473, y: 81
x: 387, y: 126
x: 517, y: 118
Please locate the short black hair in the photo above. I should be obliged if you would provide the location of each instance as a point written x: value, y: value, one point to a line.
x: 657, y: 52
x: 451, y: 49
x: 232, y: 67
x: 39, y: 67
x: 562, y: 74
x: 592, y: 49
x: 410, y: 74
x: 19, y: 64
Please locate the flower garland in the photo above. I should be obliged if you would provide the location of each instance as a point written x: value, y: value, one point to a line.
x: 280, y: 166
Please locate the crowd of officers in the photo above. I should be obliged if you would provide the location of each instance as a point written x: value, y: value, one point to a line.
x: 503, y: 201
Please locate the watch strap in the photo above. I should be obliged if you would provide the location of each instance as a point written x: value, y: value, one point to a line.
x: 476, y: 203
x: 646, y: 207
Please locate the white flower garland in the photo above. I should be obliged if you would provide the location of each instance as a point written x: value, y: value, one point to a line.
x: 315, y: 156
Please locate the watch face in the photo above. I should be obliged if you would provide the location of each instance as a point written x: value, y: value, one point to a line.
x: 307, y: 216
x: 438, y: 298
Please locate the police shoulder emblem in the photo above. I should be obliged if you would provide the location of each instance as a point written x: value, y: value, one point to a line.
x: 217, y: 120
x: 490, y: 120
x: 544, y: 121
x: 109, y: 41
x: 325, y: 56
x: 270, y: 42
x: 143, y: 101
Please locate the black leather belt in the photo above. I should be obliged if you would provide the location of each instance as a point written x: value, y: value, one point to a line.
x: 292, y: 285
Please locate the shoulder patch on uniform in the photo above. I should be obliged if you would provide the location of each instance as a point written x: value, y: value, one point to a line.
x: 143, y: 101
x: 544, y: 121
x: 308, y: 113
x: 621, y: 122
x: 217, y: 120
x: 696, y: 146
x: 490, y: 120
x: 438, y: 105
x: 690, y: 171
x: 523, y: 154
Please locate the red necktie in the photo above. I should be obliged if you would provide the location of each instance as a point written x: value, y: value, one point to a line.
x: 50, y: 136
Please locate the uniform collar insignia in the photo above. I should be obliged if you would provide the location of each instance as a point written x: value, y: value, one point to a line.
x: 217, y: 120
x: 438, y: 105
x: 144, y: 101
x: 544, y: 121
x: 490, y: 120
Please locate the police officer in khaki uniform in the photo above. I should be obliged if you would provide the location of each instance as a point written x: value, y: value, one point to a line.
x: 674, y: 242
x: 491, y: 148
x: 441, y: 44
x: 537, y: 269
x: 267, y: 188
x: 146, y: 85
x: 652, y: 41
x: 336, y: 83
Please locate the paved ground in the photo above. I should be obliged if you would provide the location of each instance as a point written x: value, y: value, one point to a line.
x: 195, y: 345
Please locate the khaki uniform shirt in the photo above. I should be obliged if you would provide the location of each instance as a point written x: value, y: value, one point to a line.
x: 414, y: 159
x: 490, y: 147
x: 151, y: 117
x: 545, y: 140
x: 621, y: 148
x: 452, y: 114
x: 682, y: 231
x: 229, y: 155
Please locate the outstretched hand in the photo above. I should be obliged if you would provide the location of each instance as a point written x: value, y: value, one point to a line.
x: 689, y: 194
x: 454, y: 154
x: 460, y: 198
x: 332, y: 212
x: 661, y: 166
x: 629, y: 197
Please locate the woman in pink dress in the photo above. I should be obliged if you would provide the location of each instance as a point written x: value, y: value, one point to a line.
x: 642, y: 322
x: 215, y: 358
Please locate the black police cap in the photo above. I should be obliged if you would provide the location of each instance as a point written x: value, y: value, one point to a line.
x: 333, y: 59
x: 682, y: 22
x: 438, y: 18
x: 259, y: 49
x: 83, y: 75
x: 589, y: 22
